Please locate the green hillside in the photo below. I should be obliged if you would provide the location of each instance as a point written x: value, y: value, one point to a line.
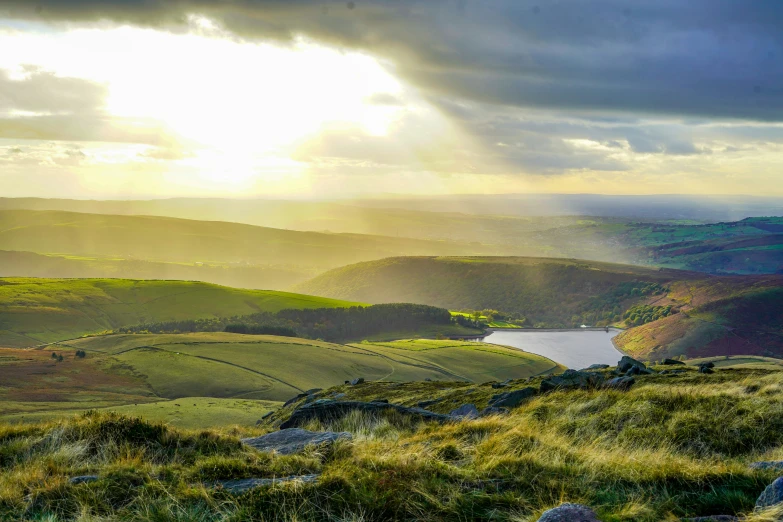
x: 190, y: 241
x: 36, y: 311
x: 136, y: 372
x: 547, y: 292
x: 265, y: 277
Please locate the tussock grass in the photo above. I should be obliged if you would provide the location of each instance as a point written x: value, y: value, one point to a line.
x: 671, y: 447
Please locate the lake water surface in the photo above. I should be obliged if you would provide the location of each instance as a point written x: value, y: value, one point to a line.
x: 573, y: 349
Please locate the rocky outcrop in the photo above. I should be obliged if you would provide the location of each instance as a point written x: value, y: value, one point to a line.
x: 569, y: 513
x: 243, y: 485
x: 289, y: 441
x: 511, y: 399
x: 772, y: 495
x: 626, y: 363
x: 327, y: 410
x: 572, y: 379
x: 597, y: 367
x: 466, y: 411
x: 620, y: 383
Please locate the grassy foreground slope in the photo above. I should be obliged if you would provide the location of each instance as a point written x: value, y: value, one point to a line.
x: 37, y: 311
x: 674, y: 446
x: 133, y: 373
x: 549, y: 292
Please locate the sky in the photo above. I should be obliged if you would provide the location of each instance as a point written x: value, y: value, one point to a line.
x: 325, y: 99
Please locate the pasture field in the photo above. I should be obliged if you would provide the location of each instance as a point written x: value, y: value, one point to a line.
x: 39, y: 311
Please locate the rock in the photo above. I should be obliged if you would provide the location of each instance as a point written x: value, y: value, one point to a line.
x: 512, y: 399
x: 381, y: 401
x: 492, y: 410
x: 670, y: 362
x: 620, y: 383
x: 313, y: 390
x: 498, y: 385
x: 772, y: 495
x: 767, y: 464
x: 597, y: 367
x: 706, y: 369
x: 706, y: 365
x: 83, y: 479
x: 466, y: 411
x: 569, y: 513
x: 243, y: 485
x: 626, y: 363
x: 289, y: 441
x: 338, y: 395
x: 294, y: 399
x: 572, y: 379
x: 633, y: 370
x: 330, y: 410
x: 427, y: 404
x: 267, y: 415
x: 358, y: 380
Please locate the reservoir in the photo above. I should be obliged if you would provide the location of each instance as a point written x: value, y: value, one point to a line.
x: 575, y: 349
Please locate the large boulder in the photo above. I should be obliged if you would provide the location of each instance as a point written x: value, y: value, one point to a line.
x: 620, y: 383
x: 243, y: 485
x: 671, y: 362
x: 772, y: 495
x: 569, y: 513
x: 511, y: 399
x: 466, y: 411
x: 626, y: 363
x: 294, y: 440
x: 328, y: 410
x: 572, y: 379
x: 597, y: 367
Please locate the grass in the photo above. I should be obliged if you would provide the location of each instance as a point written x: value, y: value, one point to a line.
x: 132, y: 371
x: 671, y: 447
x: 38, y: 311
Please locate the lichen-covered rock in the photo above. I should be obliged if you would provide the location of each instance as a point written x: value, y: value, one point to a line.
x: 466, y: 411
x: 512, y: 399
x: 620, y: 383
x: 294, y: 440
x: 626, y: 363
x: 332, y: 410
x: 572, y: 379
x: 772, y: 495
x: 569, y: 513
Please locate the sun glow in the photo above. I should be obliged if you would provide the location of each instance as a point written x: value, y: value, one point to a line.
x: 234, y: 109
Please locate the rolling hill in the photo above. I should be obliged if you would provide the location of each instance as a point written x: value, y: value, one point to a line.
x: 38, y: 311
x: 174, y: 240
x: 548, y: 292
x: 120, y: 371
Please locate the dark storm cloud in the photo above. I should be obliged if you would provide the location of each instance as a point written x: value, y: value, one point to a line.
x: 701, y: 58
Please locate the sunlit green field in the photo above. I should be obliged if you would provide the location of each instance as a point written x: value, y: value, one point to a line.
x: 38, y: 311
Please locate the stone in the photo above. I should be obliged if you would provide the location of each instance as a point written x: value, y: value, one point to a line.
x: 772, y: 495
x: 512, y: 399
x: 633, y: 370
x: 381, y: 401
x: 331, y: 410
x: 267, y: 414
x: 358, y: 380
x: 492, y: 410
x: 706, y: 369
x: 569, y: 513
x: 620, y: 383
x: 670, y: 362
x: 243, y: 485
x: 706, y: 365
x: 83, y: 479
x: 572, y: 379
x: 597, y: 367
x: 768, y: 464
x: 338, y: 395
x: 498, y: 385
x: 294, y: 399
x: 313, y: 390
x: 626, y: 363
x: 295, y: 440
x: 466, y: 411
